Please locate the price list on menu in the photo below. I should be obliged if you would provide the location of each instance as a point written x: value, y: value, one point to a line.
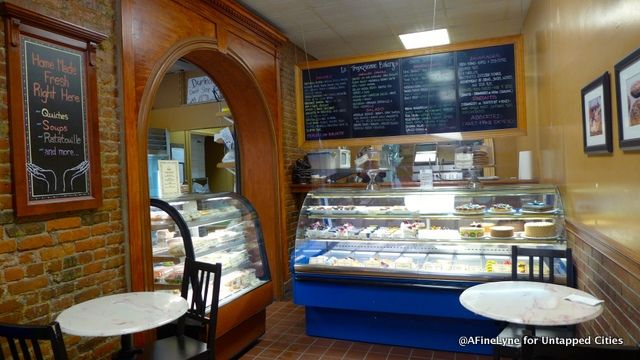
x: 486, y: 90
x: 429, y: 92
x: 375, y: 99
x: 327, y: 108
x: 456, y: 91
x: 55, y: 113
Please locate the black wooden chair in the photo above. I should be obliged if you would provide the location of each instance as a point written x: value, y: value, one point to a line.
x: 535, y: 349
x: 538, y: 257
x: 24, y: 341
x: 204, y: 279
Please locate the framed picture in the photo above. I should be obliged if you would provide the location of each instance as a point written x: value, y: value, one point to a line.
x: 596, y: 116
x: 628, y: 93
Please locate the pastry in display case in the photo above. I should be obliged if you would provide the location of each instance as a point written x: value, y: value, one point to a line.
x: 214, y: 228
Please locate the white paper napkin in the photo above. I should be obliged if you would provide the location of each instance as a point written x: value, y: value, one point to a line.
x: 583, y: 299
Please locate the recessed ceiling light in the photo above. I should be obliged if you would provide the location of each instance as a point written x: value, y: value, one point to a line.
x: 425, y: 39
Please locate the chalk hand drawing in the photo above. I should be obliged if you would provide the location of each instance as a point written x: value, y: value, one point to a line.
x: 41, y: 174
x: 74, y: 173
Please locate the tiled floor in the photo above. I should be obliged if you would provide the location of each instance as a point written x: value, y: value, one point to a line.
x: 285, y: 339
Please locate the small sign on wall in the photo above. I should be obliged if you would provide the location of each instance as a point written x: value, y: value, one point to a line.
x: 169, y: 176
x: 53, y: 113
x: 202, y: 89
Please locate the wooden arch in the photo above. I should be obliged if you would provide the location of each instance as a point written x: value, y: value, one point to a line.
x: 257, y: 149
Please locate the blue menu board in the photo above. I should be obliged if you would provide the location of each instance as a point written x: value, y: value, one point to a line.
x: 456, y: 91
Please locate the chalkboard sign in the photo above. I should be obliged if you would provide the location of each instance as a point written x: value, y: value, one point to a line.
x: 55, y: 121
x: 52, y: 93
x: 472, y: 90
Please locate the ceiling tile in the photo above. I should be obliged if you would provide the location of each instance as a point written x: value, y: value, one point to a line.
x: 331, y: 28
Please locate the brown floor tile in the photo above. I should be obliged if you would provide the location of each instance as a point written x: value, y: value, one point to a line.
x: 398, y: 357
x: 414, y: 357
x: 304, y: 339
x: 324, y: 342
x: 361, y: 346
x: 376, y: 356
x: 341, y: 344
x: 306, y: 356
x: 264, y: 343
x: 400, y: 351
x: 335, y: 352
x: 270, y: 353
x: 328, y: 357
x: 442, y: 355
x: 422, y: 353
x: 355, y: 355
x: 297, y: 347
x: 288, y: 339
x: 383, y: 349
x: 318, y: 350
x: 289, y: 355
x: 255, y: 351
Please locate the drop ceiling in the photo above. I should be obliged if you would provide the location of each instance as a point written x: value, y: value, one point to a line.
x: 340, y: 28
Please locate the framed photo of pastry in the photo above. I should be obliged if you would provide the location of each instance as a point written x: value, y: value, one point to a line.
x: 628, y: 94
x: 596, y: 116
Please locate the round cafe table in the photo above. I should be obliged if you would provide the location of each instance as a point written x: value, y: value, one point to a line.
x: 529, y: 303
x: 122, y: 314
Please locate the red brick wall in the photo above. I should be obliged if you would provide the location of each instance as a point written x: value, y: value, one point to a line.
x: 290, y: 55
x: 50, y: 263
x: 613, y: 277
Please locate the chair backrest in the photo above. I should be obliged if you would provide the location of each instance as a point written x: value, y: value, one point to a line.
x: 24, y: 341
x: 541, y: 254
x: 536, y: 349
x: 204, y: 279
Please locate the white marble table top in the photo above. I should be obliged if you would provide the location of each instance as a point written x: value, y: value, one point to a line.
x: 122, y: 314
x: 528, y: 303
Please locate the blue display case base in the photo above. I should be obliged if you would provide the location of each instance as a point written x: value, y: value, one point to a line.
x: 419, y: 317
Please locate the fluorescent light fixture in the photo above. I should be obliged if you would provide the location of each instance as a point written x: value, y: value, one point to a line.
x: 425, y: 39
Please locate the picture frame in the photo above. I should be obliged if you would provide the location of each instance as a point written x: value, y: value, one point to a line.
x: 627, y: 73
x: 596, y: 116
x: 53, y: 113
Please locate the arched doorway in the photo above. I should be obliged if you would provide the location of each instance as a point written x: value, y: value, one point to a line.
x: 259, y: 171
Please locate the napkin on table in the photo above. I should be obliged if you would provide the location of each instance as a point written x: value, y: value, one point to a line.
x: 583, y: 299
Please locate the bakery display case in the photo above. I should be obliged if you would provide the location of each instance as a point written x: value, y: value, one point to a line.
x: 214, y: 228
x: 217, y: 228
x: 400, y: 258
x: 444, y: 234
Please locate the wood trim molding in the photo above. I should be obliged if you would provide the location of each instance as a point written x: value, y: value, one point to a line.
x: 239, y: 14
x: 608, y: 247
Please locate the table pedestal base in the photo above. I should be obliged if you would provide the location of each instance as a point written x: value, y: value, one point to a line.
x: 127, y: 351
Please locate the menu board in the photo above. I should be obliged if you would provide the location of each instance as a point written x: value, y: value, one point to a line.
x: 463, y: 90
x: 57, y: 154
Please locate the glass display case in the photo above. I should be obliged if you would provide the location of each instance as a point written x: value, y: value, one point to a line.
x: 448, y: 234
x: 214, y: 228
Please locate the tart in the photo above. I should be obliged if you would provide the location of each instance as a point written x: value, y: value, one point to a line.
x: 470, y: 209
x: 501, y: 208
x: 537, y: 206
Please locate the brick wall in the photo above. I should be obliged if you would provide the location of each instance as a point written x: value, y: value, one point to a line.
x: 610, y: 276
x: 50, y: 263
x: 290, y: 55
